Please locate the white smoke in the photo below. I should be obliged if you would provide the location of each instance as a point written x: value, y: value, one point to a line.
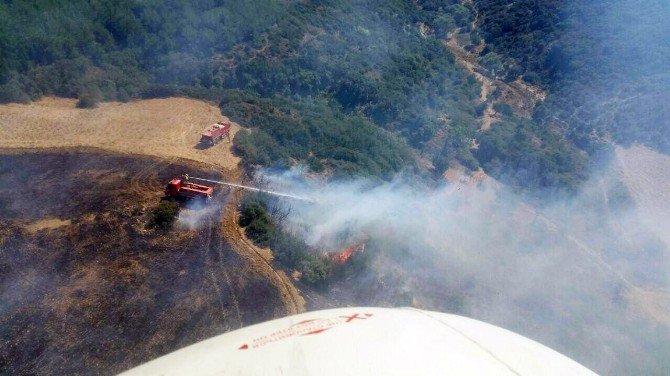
x: 195, y: 214
x: 559, y: 272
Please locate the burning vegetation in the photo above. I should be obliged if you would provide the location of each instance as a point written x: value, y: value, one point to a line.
x: 262, y: 218
x: 343, y: 255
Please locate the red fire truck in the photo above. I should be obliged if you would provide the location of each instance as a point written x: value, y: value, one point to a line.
x: 215, y: 133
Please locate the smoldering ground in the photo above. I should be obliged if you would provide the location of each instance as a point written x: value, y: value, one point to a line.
x: 195, y: 214
x: 564, y: 272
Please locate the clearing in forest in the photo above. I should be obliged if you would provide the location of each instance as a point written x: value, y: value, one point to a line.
x: 169, y: 127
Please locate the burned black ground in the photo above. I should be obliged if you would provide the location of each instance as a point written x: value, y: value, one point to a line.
x: 104, y: 292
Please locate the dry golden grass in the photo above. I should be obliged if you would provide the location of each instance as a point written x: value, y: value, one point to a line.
x: 159, y: 127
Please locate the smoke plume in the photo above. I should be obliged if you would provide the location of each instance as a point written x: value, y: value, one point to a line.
x: 195, y: 215
x: 565, y: 272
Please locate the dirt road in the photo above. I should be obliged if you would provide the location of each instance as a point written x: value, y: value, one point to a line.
x: 521, y: 96
x: 260, y: 261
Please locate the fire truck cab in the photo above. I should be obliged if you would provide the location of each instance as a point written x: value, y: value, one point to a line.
x: 182, y: 188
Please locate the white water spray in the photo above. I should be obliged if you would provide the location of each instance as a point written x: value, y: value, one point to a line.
x: 256, y: 189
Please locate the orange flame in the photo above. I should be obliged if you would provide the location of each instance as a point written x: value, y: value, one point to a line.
x: 345, y: 254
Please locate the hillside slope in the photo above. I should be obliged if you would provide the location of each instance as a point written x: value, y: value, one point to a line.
x: 605, y: 64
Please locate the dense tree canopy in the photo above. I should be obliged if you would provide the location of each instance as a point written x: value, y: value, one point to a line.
x: 364, y: 59
x: 314, y: 80
x: 605, y: 64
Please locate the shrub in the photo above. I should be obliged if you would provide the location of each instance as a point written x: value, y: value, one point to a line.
x: 532, y: 78
x: 492, y: 62
x: 89, y: 97
x: 260, y: 230
x: 480, y: 108
x: 11, y: 92
x: 503, y: 108
x: 256, y: 221
x: 315, y: 165
x: 314, y: 270
x: 165, y: 214
x: 251, y: 210
x: 289, y: 250
x: 122, y: 95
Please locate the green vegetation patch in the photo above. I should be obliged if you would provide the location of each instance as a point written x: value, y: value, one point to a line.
x: 288, y: 249
x: 165, y: 214
x: 314, y: 134
x: 523, y: 155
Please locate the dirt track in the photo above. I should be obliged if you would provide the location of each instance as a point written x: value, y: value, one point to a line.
x: 259, y: 261
x: 521, y: 96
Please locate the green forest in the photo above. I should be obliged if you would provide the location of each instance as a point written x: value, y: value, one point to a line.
x: 351, y: 88
x: 361, y: 88
x: 349, y: 64
x: 605, y: 79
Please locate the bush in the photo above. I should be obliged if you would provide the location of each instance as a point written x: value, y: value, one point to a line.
x: 89, y: 97
x: 260, y: 230
x: 287, y: 130
x: 480, y: 109
x: 518, y: 152
x: 532, y: 78
x: 11, y: 92
x: 165, y: 214
x: 288, y: 249
x: 315, y: 271
x: 492, y: 62
x: 315, y: 165
x: 503, y: 108
x: 256, y: 221
x: 122, y: 95
x: 251, y: 210
x: 87, y: 102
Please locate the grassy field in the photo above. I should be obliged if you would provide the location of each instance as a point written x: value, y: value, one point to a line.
x: 158, y: 127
